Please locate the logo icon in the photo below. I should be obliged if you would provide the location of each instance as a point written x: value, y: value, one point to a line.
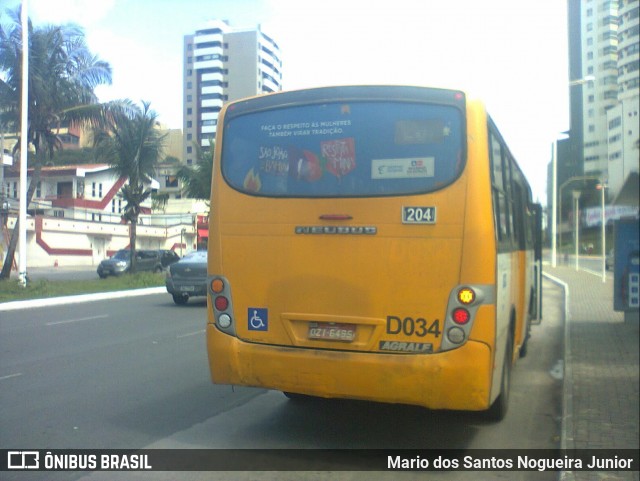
x: 23, y: 460
x: 258, y: 319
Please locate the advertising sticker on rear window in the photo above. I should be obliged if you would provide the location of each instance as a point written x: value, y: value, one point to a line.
x: 410, y: 168
x: 340, y: 155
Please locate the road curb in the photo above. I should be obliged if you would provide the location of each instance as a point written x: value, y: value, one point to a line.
x: 100, y: 296
x: 566, y: 431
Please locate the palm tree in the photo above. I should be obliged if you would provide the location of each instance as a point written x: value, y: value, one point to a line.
x: 132, y: 146
x: 197, y: 180
x: 62, y: 77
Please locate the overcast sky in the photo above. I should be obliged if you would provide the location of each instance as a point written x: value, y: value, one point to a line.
x: 510, y: 53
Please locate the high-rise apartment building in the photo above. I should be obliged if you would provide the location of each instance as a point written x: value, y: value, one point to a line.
x: 604, y: 85
x: 223, y: 64
x: 622, y: 120
x: 599, y: 52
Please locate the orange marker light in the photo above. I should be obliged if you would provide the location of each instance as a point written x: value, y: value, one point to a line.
x: 466, y: 295
x: 217, y: 285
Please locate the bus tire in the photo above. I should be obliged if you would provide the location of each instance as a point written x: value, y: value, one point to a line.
x: 498, y: 409
x: 525, y: 345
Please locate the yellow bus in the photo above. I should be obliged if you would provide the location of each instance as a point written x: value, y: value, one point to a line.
x: 372, y: 243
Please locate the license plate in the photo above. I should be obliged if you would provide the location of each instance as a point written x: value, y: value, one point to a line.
x: 187, y: 288
x: 332, y: 332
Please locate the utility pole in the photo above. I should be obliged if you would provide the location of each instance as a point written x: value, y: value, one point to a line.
x: 24, y: 146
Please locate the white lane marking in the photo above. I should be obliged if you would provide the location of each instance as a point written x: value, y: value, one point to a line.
x: 202, y: 331
x: 10, y: 376
x: 102, y: 316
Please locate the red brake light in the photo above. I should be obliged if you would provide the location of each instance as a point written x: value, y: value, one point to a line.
x: 221, y: 303
x: 336, y: 217
x: 460, y: 316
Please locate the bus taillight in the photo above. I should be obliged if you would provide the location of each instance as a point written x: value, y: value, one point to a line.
x: 217, y: 286
x: 460, y: 316
x: 466, y: 296
x: 221, y: 303
x: 224, y: 321
x: 455, y: 335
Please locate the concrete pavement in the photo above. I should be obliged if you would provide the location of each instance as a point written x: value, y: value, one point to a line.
x: 601, y: 383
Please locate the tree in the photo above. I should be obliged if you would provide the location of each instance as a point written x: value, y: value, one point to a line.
x: 84, y: 155
x: 62, y: 77
x: 132, y: 146
x: 197, y: 180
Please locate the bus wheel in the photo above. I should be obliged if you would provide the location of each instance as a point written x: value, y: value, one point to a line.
x: 525, y: 345
x: 498, y: 409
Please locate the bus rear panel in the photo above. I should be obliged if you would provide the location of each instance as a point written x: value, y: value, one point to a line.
x: 352, y: 248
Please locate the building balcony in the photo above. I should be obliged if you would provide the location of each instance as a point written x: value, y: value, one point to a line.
x: 208, y: 64
x: 211, y: 37
x: 207, y: 51
x: 211, y: 103
x: 212, y: 76
x: 270, y: 84
x: 215, y: 89
x: 210, y: 116
x: 269, y: 70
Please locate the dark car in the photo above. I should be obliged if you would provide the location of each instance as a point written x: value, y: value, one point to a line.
x: 188, y: 277
x: 120, y: 262
x: 168, y: 257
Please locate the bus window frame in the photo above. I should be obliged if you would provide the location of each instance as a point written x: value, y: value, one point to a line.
x: 507, y: 236
x: 349, y: 94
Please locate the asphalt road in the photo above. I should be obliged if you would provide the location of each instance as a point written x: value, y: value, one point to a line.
x: 132, y: 373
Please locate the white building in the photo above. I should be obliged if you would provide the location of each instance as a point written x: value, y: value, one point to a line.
x: 604, y: 74
x: 599, y: 25
x: 623, y: 120
x: 624, y: 132
x: 75, y: 218
x: 82, y: 192
x: 223, y: 64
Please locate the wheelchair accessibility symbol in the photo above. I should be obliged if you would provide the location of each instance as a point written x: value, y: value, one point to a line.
x: 258, y: 319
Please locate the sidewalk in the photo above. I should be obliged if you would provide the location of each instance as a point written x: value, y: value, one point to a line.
x: 601, y: 385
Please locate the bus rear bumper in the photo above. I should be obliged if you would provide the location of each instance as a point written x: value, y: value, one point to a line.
x: 459, y: 379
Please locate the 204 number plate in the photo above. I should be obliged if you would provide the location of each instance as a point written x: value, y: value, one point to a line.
x: 418, y: 215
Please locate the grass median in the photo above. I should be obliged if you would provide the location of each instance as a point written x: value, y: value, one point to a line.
x: 11, y: 290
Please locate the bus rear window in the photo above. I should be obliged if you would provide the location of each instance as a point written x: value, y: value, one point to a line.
x: 343, y: 149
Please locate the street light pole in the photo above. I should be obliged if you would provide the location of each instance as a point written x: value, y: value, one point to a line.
x: 576, y: 198
x: 24, y: 147
x: 554, y: 203
x: 554, y: 188
x: 565, y: 184
x: 603, y: 219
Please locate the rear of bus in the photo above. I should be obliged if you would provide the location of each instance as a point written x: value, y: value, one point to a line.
x: 352, y: 248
